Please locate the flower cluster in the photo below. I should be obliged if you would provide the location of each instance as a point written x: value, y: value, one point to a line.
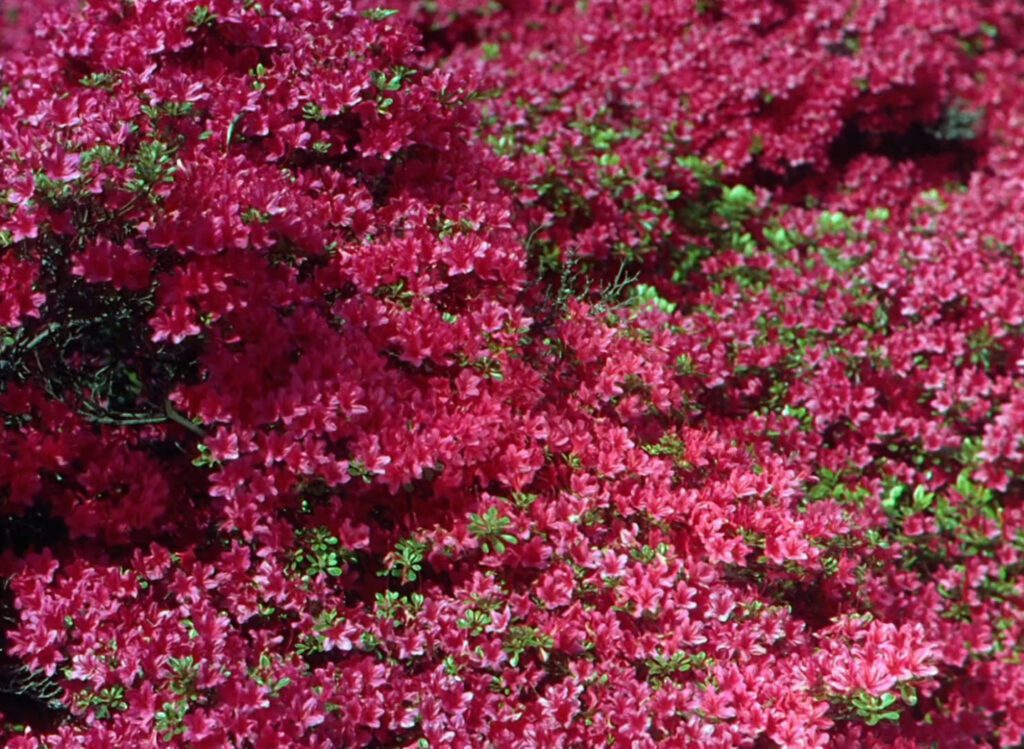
x: 531, y: 374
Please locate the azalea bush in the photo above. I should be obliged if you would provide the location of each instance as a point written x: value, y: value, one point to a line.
x: 525, y: 374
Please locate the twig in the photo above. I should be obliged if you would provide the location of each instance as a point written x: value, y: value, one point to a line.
x: 177, y: 418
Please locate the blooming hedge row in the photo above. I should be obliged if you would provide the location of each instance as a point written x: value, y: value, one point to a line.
x: 530, y: 374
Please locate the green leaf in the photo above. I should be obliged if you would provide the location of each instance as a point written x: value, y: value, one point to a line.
x: 740, y: 195
x: 203, y: 16
x: 778, y: 237
x: 99, y: 80
x: 645, y: 295
x: 379, y: 14
x: 491, y: 529
x: 834, y: 222
x: 891, y: 499
x: 922, y: 499
x: 153, y: 165
x: 311, y: 111
x: 877, y: 718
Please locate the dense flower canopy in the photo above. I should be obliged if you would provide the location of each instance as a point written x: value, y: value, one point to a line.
x: 472, y: 373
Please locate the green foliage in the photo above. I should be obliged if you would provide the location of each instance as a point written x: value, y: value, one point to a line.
x: 601, y: 137
x: 719, y: 214
x: 662, y: 666
x: 523, y: 500
x: 265, y: 674
x: 520, y: 639
x: 406, y: 560
x: 644, y: 295
x: 315, y: 642
x: 319, y: 552
x: 706, y: 174
x: 258, y: 73
x: 185, y: 671
x: 874, y: 709
x: 960, y: 123
x: 646, y: 554
x: 670, y: 445
x: 379, y: 14
x: 900, y: 502
x: 153, y: 165
x: 391, y: 81
x: 737, y: 203
x: 105, y: 81
x: 780, y: 238
x: 203, y: 16
x: 475, y: 621
x: 311, y: 111
x: 169, y: 109
x: 931, y: 201
x: 833, y: 485
x: 835, y: 222
x: 170, y: 719
x: 491, y: 529
x: 399, y: 608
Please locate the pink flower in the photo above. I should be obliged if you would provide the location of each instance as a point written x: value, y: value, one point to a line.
x: 62, y: 166
x: 555, y: 589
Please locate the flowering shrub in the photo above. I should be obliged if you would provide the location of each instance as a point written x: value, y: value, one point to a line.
x: 453, y: 375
